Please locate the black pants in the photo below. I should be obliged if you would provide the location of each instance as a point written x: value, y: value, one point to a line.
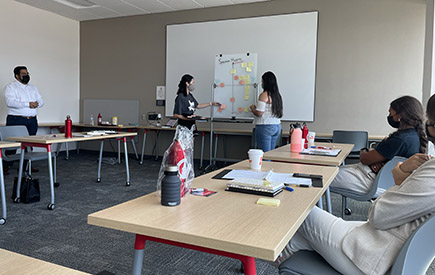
x: 31, y: 125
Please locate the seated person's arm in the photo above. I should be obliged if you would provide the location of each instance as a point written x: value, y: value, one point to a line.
x: 181, y: 117
x: 410, y: 200
x: 371, y: 157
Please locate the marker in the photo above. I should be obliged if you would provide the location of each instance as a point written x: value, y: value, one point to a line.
x: 289, y: 189
x: 321, y: 147
x: 198, y: 190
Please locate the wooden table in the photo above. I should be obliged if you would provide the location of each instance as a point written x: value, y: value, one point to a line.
x: 284, y: 154
x: 3, y: 145
x: 13, y: 263
x: 45, y: 141
x: 227, y: 223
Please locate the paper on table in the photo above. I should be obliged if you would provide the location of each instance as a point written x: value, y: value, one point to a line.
x: 271, y: 176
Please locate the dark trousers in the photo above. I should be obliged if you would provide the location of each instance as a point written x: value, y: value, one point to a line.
x: 30, y: 123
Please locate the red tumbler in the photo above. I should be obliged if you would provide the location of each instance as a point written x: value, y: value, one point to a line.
x: 68, y: 127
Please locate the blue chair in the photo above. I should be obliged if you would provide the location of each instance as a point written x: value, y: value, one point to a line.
x: 415, y: 256
x: 382, y: 182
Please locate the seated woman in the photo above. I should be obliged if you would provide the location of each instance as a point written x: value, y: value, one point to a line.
x: 370, y: 247
x: 407, y: 115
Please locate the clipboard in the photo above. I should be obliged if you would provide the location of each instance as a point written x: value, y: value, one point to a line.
x: 221, y: 175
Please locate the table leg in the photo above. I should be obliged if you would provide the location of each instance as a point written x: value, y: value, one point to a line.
x: 139, y: 246
x: 215, y: 148
x: 328, y: 201
x: 119, y: 150
x: 157, y: 144
x: 143, y: 145
x: 126, y: 161
x: 133, y: 144
x: 202, y: 149
x: 2, y: 189
x: 50, y: 206
x: 20, y: 174
x: 67, y: 150
x: 99, y: 161
x: 320, y: 203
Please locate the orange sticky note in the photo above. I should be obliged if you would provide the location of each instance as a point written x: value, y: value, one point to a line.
x: 232, y: 99
x: 242, y: 82
x: 240, y: 109
x: 236, y: 77
x: 221, y: 85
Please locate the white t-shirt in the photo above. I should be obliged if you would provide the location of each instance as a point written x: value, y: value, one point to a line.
x: 267, y: 117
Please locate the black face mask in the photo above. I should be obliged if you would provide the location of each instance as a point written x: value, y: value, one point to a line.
x: 394, y: 124
x: 25, y: 79
x: 429, y: 137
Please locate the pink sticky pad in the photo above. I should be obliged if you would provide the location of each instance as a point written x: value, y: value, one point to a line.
x: 240, y: 109
x: 221, y: 85
x: 236, y: 77
x: 232, y: 99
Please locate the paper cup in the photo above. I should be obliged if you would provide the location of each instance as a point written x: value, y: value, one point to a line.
x: 255, y: 158
x: 311, y: 136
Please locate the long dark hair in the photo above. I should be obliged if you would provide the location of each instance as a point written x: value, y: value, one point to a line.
x: 430, y: 109
x: 411, y: 114
x: 182, y: 87
x: 270, y: 85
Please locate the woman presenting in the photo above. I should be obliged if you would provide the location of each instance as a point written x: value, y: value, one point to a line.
x: 186, y: 104
x: 267, y: 113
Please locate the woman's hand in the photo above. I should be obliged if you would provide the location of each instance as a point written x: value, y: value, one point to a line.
x: 191, y: 116
x: 252, y: 108
x: 414, y: 162
x: 215, y: 103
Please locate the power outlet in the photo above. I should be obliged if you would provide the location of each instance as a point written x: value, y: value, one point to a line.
x: 144, y: 116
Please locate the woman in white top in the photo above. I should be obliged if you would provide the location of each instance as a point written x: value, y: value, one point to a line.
x: 267, y: 113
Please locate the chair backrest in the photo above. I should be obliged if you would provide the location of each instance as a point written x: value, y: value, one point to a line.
x: 13, y: 131
x: 418, y: 252
x: 384, y: 178
x: 358, y: 138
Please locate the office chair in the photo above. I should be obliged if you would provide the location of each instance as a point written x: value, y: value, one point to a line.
x: 18, y: 131
x: 415, y: 256
x: 383, y: 181
x: 358, y: 138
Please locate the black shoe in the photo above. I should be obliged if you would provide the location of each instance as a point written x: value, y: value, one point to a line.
x: 56, y: 184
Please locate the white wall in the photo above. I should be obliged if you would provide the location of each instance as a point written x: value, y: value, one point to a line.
x: 48, y: 45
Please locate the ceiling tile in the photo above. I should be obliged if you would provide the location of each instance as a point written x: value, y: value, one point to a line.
x: 213, y: 3
x: 181, y: 4
x: 149, y: 5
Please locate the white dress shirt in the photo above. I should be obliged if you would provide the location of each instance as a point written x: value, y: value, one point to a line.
x: 18, y: 96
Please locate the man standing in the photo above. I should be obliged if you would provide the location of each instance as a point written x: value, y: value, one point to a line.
x: 23, y: 101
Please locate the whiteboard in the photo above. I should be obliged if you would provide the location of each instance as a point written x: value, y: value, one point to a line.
x: 285, y: 44
x: 235, y: 85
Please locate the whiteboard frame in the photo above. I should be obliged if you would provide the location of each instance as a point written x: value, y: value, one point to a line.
x: 190, y: 48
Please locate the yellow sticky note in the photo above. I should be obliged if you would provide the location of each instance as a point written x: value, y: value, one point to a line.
x: 247, y: 81
x: 268, y: 201
x: 244, y: 65
x: 248, y: 69
x: 246, y: 89
x: 233, y: 71
x: 246, y: 98
x: 250, y: 64
x: 246, y: 110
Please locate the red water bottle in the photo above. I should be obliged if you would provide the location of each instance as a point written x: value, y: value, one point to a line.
x: 99, y: 119
x: 68, y: 127
x: 176, y: 158
x: 304, y: 135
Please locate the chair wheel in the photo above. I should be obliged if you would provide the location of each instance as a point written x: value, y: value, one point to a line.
x: 17, y: 200
x: 2, y: 221
x: 50, y: 206
x: 127, y: 183
x: 140, y: 162
x: 347, y: 211
x: 98, y: 180
x: 56, y: 184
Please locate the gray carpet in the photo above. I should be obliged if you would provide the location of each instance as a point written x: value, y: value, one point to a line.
x: 63, y: 236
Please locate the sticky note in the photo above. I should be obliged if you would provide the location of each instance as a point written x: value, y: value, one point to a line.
x: 221, y: 85
x: 242, y: 82
x: 233, y: 71
x: 250, y: 64
x: 243, y: 64
x: 268, y: 201
x: 232, y: 99
x: 223, y: 106
x: 236, y: 77
x: 246, y: 110
x: 248, y: 69
x: 220, y: 109
x: 240, y: 109
x: 247, y: 81
x: 246, y: 98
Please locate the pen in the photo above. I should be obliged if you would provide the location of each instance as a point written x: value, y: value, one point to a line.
x: 289, y: 189
x: 298, y: 185
x: 326, y: 148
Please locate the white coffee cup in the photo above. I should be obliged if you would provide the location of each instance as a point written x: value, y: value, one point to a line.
x: 311, y: 136
x: 255, y: 158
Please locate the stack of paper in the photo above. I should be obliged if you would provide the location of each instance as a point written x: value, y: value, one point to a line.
x: 255, y: 186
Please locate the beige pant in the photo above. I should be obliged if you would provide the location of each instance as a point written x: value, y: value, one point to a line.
x: 356, y: 177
